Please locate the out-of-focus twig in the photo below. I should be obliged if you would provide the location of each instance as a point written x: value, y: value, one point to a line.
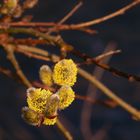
x: 7, y: 72
x: 106, y: 103
x: 14, y: 62
x: 109, y: 53
x: 64, y: 130
x: 133, y: 111
x: 87, y: 109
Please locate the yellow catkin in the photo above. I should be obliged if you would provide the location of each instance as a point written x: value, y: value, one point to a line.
x: 45, y: 74
x: 30, y: 116
x: 66, y: 95
x: 37, y: 99
x: 65, y: 72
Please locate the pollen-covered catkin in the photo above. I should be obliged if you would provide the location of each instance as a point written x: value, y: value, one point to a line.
x: 66, y: 95
x: 65, y: 72
x: 37, y: 99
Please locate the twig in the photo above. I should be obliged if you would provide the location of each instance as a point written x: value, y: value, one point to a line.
x: 52, y: 40
x: 31, y: 55
x: 87, y: 109
x: 6, y: 72
x: 70, y: 13
x: 99, y: 57
x: 134, y: 112
x: 105, y: 18
x: 107, y: 103
x: 64, y: 130
x: 32, y: 50
x: 65, y: 18
x: 12, y: 59
x: 113, y: 70
x: 102, y: 56
x: 36, y: 53
x: 76, y: 26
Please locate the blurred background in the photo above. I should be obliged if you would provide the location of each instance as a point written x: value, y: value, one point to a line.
x: 83, y: 120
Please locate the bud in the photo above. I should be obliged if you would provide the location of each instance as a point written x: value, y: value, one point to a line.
x: 52, y: 106
x: 29, y: 3
x: 30, y: 116
x: 45, y: 74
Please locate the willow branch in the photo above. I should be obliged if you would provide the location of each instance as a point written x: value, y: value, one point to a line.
x: 104, y: 55
x: 80, y: 25
x: 14, y: 62
x: 7, y: 72
x: 99, y: 57
x: 64, y: 130
x: 52, y: 40
x: 65, y: 18
x: 105, y: 18
x: 71, y: 13
x: 49, y: 39
x: 133, y: 111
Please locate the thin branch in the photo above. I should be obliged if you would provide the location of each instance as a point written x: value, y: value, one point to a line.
x: 107, y: 54
x: 7, y: 72
x: 105, y: 18
x: 107, y: 103
x: 63, y: 130
x: 32, y: 49
x: 76, y: 26
x: 14, y: 62
x: 87, y: 109
x: 99, y: 57
x: 36, y: 53
x: 65, y: 18
x: 116, y: 72
x: 133, y: 111
x: 31, y: 55
x: 53, y: 40
x: 70, y: 13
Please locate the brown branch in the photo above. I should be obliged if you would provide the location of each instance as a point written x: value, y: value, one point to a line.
x: 105, y: 18
x: 63, y: 130
x: 116, y: 72
x: 107, y: 103
x: 14, y: 62
x: 36, y: 53
x: 133, y: 111
x: 7, y: 72
x: 104, y: 55
x: 99, y: 57
x: 65, y: 18
x: 58, y: 41
x: 76, y: 26
x: 31, y: 55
